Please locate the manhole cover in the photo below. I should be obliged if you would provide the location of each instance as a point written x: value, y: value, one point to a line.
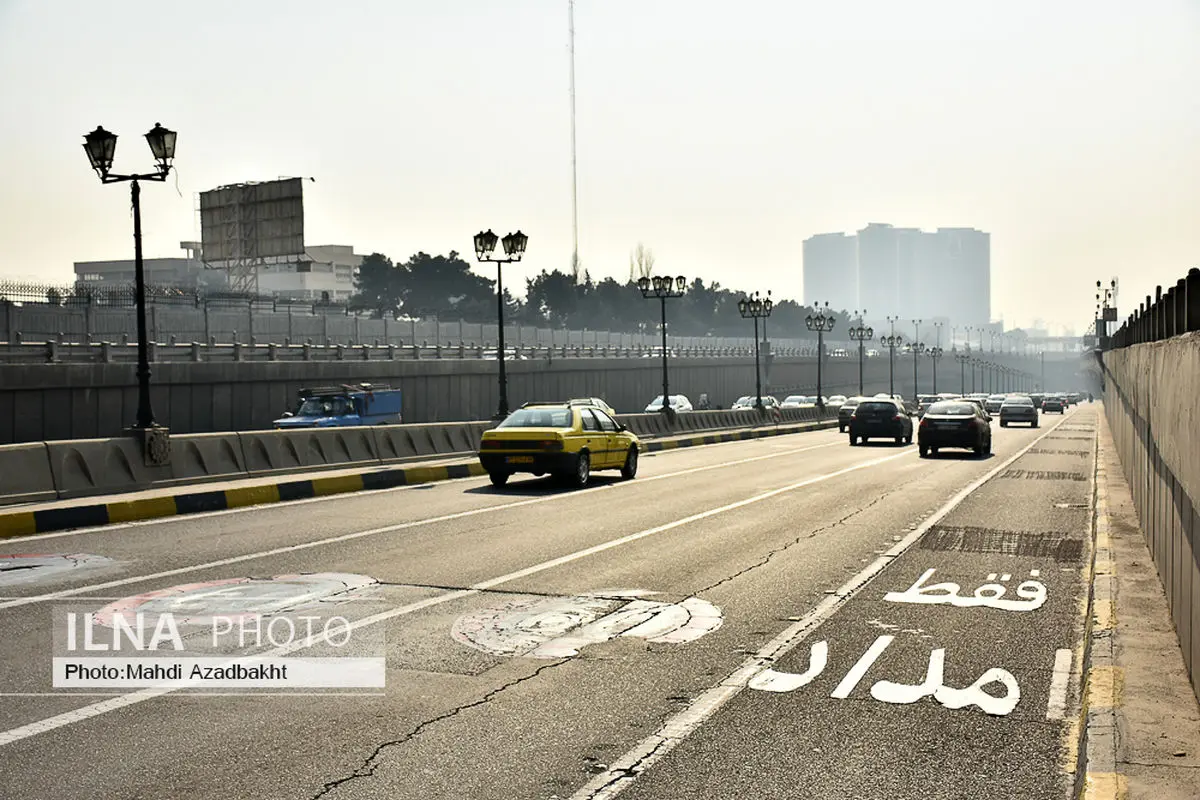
x: 965, y: 539
x: 558, y: 627
x: 235, y: 598
x: 32, y: 567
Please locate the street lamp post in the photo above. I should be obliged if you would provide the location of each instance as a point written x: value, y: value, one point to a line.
x: 891, y: 343
x: 663, y: 289
x: 101, y: 146
x: 822, y: 322
x: 514, y: 248
x: 917, y: 347
x: 756, y: 308
x: 934, y: 354
x: 962, y: 359
x: 860, y: 334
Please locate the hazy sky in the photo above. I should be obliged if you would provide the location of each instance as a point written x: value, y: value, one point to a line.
x: 720, y: 134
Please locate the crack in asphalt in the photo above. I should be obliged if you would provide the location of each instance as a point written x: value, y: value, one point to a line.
x: 373, y: 761
x: 811, y: 534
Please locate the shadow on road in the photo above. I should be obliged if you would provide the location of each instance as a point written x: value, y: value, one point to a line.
x: 539, y: 487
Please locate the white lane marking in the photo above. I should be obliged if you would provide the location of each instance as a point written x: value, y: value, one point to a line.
x: 120, y: 526
x: 345, y: 537
x: 625, y: 769
x: 103, y: 707
x: 856, y: 673
x: 1056, y: 707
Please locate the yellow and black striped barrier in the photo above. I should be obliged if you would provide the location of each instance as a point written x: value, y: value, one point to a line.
x: 23, y: 523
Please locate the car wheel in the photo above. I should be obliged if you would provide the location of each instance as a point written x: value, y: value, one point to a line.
x: 978, y: 450
x: 988, y: 451
x: 908, y: 439
x: 853, y: 440
x: 498, y: 478
x: 583, y: 470
x: 933, y: 451
x: 899, y: 440
x: 841, y: 429
x: 1003, y: 424
x: 922, y: 450
x: 1033, y: 424
x: 631, y: 463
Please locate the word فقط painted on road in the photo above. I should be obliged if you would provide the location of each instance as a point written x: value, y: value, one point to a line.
x: 558, y: 627
x: 235, y: 598
x: 899, y: 693
x: 32, y: 567
x: 989, y: 595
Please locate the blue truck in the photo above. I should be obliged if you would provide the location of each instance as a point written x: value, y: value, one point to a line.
x: 336, y: 406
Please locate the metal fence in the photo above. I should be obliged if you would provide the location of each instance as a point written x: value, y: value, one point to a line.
x: 90, y: 315
x: 1169, y: 314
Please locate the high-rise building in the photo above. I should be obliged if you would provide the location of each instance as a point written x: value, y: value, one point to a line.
x: 830, y: 271
x: 904, y: 272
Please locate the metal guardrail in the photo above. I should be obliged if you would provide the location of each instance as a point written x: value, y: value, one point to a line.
x: 1175, y: 312
x: 54, y: 352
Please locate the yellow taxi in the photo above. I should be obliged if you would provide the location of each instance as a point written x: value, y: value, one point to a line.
x: 569, y: 440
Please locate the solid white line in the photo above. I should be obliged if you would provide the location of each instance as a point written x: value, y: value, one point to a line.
x: 120, y: 526
x: 116, y: 703
x: 624, y: 770
x: 95, y: 587
x: 1056, y: 707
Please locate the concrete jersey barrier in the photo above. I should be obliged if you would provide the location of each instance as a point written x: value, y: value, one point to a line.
x: 42, y: 471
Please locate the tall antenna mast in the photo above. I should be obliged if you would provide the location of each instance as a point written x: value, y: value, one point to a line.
x: 574, y: 172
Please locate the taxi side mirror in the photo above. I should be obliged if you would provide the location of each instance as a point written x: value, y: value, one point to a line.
x: 621, y: 427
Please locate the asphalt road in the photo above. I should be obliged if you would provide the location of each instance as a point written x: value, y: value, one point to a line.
x: 498, y: 614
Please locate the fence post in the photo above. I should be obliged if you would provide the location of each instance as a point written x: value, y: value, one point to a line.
x: 1193, y: 299
x: 207, y: 330
x: 1169, y: 311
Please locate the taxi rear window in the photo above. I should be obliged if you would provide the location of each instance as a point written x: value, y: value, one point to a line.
x: 538, y: 418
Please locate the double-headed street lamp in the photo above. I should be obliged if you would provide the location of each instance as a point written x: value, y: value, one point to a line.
x: 860, y: 333
x: 917, y: 347
x: 822, y: 322
x: 756, y: 308
x: 100, y: 146
x: 891, y: 343
x: 514, y: 248
x: 962, y: 359
x: 934, y: 354
x: 663, y: 289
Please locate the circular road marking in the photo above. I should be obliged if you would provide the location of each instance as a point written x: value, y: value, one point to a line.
x: 558, y: 627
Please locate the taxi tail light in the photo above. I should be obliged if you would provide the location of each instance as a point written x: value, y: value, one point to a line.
x: 924, y: 421
x: 552, y: 444
x: 489, y: 444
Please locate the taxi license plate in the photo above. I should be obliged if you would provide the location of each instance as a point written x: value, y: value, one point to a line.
x: 519, y: 460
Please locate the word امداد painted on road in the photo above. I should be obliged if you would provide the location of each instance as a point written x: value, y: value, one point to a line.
x: 558, y: 627
x: 899, y: 693
x: 989, y: 595
x: 32, y: 567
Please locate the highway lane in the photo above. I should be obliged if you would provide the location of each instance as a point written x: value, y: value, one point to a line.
x: 764, y: 540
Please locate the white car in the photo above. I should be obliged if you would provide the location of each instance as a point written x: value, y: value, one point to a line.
x: 793, y: 401
x: 679, y: 403
x: 749, y: 401
x: 837, y: 400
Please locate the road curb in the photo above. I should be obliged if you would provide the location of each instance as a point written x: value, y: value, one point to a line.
x: 25, y: 523
x: 1104, y: 680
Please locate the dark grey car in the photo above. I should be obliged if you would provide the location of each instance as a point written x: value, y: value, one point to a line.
x: 881, y: 419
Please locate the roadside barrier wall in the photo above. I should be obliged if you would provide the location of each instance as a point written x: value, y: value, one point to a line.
x: 1150, y: 400
x: 65, y: 469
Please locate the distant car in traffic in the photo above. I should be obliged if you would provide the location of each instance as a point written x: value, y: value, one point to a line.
x: 1053, y: 403
x: 954, y: 423
x: 1018, y: 408
x: 592, y: 401
x: 750, y: 401
x: 993, y: 403
x: 836, y: 400
x: 793, y: 401
x: 924, y: 401
x: 846, y: 410
x: 678, y: 403
x: 881, y: 419
x: 562, y: 439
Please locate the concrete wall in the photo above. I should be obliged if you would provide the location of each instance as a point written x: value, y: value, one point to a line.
x: 71, y: 401
x: 1150, y: 398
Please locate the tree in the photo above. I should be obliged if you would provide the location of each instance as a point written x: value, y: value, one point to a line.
x: 54, y: 296
x: 641, y: 262
x: 378, y: 285
x: 445, y: 285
